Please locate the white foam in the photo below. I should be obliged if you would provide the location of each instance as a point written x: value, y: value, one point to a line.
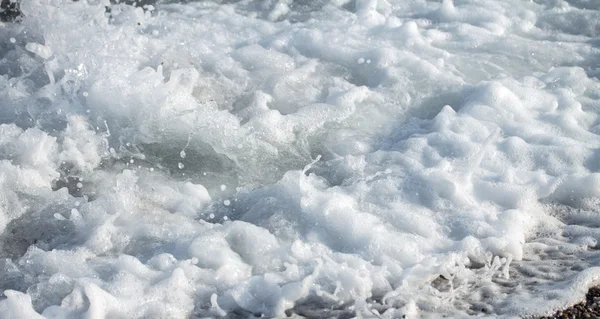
x: 383, y: 158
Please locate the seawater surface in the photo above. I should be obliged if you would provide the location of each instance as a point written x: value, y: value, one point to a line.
x: 288, y: 158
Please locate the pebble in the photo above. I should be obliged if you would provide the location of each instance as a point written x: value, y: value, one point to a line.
x: 587, y: 309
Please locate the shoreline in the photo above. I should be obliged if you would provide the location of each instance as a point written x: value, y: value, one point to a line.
x: 590, y: 308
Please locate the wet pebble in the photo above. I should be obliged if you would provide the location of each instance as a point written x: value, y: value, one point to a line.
x: 590, y: 308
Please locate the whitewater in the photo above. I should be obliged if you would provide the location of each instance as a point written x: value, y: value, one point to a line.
x: 290, y: 158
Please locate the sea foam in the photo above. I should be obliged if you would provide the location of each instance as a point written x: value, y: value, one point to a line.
x: 364, y: 158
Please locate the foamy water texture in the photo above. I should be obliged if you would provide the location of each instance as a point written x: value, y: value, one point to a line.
x: 330, y: 158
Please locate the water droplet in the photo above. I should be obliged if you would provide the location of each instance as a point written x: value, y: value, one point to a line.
x: 361, y: 61
x: 211, y: 216
x: 152, y: 169
x: 223, y: 188
x: 226, y: 202
x: 180, y: 165
x: 13, y: 40
x: 79, y: 185
x: 131, y: 161
x: 182, y: 154
x: 225, y: 218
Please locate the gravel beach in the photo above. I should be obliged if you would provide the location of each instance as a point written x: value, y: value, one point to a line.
x: 590, y: 308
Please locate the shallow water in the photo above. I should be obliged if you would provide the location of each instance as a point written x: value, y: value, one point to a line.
x: 337, y: 158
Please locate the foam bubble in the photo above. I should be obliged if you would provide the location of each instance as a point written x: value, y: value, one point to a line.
x: 380, y: 158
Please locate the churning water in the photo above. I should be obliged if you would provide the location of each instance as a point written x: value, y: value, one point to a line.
x: 327, y: 158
